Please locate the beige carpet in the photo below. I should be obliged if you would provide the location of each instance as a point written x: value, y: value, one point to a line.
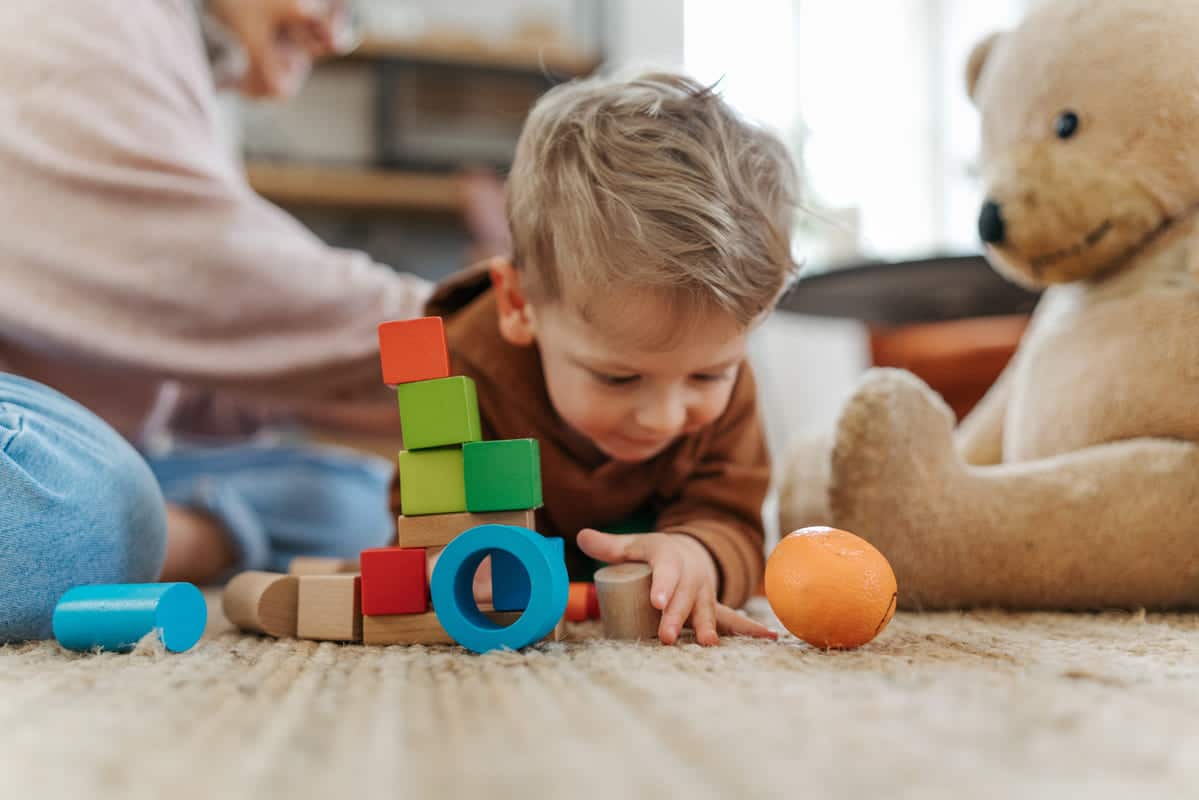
x: 958, y: 706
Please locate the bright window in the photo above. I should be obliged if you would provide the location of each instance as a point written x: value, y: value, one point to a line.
x: 870, y: 95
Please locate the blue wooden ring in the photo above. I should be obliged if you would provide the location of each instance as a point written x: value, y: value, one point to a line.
x: 452, y: 587
x: 117, y: 616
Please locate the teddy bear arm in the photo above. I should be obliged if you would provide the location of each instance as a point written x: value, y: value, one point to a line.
x: 979, y: 438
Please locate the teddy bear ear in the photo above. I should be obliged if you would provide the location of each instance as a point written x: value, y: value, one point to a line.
x: 978, y: 60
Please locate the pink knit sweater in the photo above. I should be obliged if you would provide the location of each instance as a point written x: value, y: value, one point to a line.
x: 132, y: 251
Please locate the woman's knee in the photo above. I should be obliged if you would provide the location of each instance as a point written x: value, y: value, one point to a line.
x: 81, y: 506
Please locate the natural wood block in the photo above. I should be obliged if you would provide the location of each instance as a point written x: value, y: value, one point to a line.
x: 418, y: 628
x: 264, y: 602
x: 439, y: 413
x: 394, y: 581
x: 432, y: 481
x: 438, y: 530
x: 330, y: 608
x: 623, y: 593
x: 413, y: 350
x: 320, y: 565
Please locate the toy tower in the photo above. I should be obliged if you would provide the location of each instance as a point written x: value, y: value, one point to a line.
x: 450, y: 481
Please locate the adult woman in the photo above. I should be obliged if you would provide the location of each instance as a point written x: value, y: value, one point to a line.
x: 143, y: 277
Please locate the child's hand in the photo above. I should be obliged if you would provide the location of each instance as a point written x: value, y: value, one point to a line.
x: 684, y: 583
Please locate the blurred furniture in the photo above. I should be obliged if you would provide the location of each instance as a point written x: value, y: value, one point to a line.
x: 952, y: 321
x: 386, y: 127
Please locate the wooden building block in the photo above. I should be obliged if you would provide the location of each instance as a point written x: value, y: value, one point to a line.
x: 321, y: 565
x: 413, y: 350
x: 582, y: 604
x: 263, y: 602
x: 502, y: 475
x: 394, y: 581
x: 593, y: 609
x: 432, y: 481
x: 623, y: 593
x: 418, y: 628
x: 439, y: 413
x: 438, y: 530
x: 330, y: 608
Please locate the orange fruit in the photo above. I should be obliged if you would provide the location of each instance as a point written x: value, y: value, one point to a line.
x: 830, y: 588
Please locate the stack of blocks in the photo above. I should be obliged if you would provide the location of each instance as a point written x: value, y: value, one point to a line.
x: 450, y: 481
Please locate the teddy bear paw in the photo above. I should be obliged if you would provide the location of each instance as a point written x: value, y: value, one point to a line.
x: 892, y: 456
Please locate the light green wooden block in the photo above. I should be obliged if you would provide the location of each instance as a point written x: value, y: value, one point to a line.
x: 432, y: 481
x: 439, y: 412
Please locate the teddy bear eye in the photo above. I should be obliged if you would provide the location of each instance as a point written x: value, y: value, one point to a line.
x: 1066, y: 125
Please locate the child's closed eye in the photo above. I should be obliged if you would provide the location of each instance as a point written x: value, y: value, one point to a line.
x: 713, y: 377
x: 615, y: 380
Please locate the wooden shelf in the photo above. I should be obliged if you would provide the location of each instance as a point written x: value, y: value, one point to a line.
x: 468, y: 51
x: 337, y: 187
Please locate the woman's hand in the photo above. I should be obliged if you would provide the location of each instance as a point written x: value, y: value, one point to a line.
x: 282, y: 38
x: 684, y: 583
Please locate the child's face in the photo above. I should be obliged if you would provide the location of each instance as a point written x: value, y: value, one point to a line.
x: 630, y: 400
x: 632, y: 403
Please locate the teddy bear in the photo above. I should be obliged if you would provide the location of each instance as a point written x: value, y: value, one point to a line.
x: 1074, y: 484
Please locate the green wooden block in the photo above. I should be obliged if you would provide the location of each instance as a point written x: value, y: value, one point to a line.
x: 503, y: 475
x: 439, y: 412
x: 432, y: 481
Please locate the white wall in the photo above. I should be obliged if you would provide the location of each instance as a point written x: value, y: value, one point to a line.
x: 645, y: 33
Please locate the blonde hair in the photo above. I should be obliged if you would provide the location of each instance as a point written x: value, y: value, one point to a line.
x: 653, y: 183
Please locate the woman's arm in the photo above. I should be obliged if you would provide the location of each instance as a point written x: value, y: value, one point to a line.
x: 134, y: 239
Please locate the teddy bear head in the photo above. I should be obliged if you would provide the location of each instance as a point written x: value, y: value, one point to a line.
x: 1090, y: 135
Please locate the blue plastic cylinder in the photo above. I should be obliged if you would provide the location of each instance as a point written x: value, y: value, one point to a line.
x: 116, y: 616
x: 510, y: 587
x: 452, y: 587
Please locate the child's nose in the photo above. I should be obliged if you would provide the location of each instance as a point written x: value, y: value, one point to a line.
x: 664, y: 414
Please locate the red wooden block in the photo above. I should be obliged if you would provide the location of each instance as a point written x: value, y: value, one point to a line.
x: 413, y: 350
x: 593, y: 611
x: 577, y: 602
x: 394, y: 581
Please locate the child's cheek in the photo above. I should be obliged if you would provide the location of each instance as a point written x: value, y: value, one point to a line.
x: 598, y: 417
x: 711, y: 409
x: 575, y: 401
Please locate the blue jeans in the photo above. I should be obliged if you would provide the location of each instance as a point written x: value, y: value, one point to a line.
x: 79, y: 505
x: 281, y: 501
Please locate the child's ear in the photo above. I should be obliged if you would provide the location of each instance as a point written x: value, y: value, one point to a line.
x: 515, y: 315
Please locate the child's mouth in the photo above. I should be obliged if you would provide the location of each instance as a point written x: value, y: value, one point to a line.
x: 642, y: 446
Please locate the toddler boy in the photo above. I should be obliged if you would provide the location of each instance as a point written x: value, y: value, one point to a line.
x: 651, y: 232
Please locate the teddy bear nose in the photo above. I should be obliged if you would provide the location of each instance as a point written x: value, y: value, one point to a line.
x: 990, y: 223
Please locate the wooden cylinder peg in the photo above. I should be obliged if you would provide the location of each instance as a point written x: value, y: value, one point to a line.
x: 625, y: 609
x: 264, y: 602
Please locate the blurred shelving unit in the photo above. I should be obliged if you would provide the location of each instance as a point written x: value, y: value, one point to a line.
x: 371, y: 154
x: 353, y: 188
x: 525, y: 56
x: 387, y: 127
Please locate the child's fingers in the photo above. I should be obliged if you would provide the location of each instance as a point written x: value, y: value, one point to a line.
x: 703, y: 616
x: 677, y: 612
x: 482, y: 583
x: 737, y: 624
x: 600, y: 546
x: 616, y: 549
x: 668, y: 570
